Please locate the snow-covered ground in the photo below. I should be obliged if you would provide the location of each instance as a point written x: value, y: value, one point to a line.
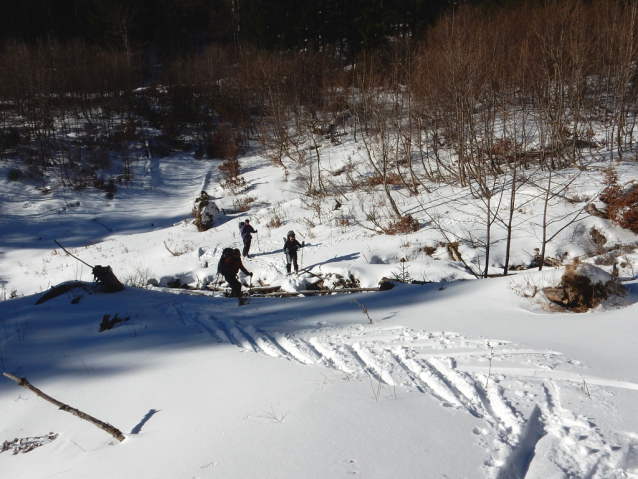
x: 450, y: 379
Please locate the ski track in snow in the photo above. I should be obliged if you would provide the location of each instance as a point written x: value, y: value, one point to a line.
x: 520, y: 403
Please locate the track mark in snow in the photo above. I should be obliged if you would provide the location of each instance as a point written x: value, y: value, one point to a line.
x: 214, y: 330
x: 573, y: 443
x: 518, y: 462
x: 277, y: 266
x: 377, y: 369
x: 432, y: 381
x: 502, y: 410
x: 210, y: 325
x: 465, y: 387
x: 262, y: 341
x: 218, y: 332
x: 291, y: 348
x: 172, y: 309
x: 538, y: 373
x: 238, y: 337
x: 527, y: 432
x: 309, y: 350
x: 330, y: 355
x: 467, y: 352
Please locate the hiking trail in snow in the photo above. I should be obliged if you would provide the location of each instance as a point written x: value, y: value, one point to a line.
x: 528, y: 431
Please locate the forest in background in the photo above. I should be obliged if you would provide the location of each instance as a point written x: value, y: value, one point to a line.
x: 484, y: 98
x: 169, y: 28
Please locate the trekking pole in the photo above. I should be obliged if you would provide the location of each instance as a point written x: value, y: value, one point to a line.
x: 258, y: 247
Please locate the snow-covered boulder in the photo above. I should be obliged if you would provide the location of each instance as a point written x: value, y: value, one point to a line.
x: 205, y: 212
x: 584, y: 286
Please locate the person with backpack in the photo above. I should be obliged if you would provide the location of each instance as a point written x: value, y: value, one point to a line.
x: 246, y: 235
x: 229, y: 267
x: 290, y: 249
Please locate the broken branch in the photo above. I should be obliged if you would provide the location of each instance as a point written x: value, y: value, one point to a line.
x: 72, y: 255
x: 113, y: 431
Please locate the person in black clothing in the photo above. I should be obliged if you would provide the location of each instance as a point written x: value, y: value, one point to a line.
x: 246, y: 235
x: 229, y: 270
x: 290, y: 249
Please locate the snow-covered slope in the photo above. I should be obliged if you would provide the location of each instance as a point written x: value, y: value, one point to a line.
x: 456, y: 379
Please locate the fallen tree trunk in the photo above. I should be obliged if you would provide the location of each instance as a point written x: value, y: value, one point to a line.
x: 113, y: 431
x: 321, y: 291
x: 254, y: 289
x: 59, y: 290
x: 262, y: 291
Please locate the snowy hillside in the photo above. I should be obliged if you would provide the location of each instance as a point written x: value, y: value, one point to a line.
x: 458, y: 377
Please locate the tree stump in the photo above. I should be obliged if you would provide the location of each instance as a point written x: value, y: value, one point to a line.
x: 106, y: 278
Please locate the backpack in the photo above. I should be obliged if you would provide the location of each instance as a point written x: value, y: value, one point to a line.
x: 226, y: 253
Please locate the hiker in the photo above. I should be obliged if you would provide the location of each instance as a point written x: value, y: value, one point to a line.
x: 246, y: 231
x: 290, y: 249
x: 229, y: 270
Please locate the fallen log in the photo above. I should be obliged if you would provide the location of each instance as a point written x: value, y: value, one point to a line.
x: 261, y: 291
x: 60, y: 290
x: 113, y: 431
x: 321, y: 291
x: 254, y: 289
x: 264, y: 289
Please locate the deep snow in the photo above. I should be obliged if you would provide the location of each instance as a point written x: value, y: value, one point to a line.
x: 459, y: 378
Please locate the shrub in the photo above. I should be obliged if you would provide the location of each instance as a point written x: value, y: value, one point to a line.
x: 429, y: 250
x: 598, y: 239
x: 275, y: 221
x: 622, y: 204
x: 230, y: 170
x: 9, y: 139
x: 107, y: 186
x: 390, y: 179
x: 612, y: 190
x: 14, y: 174
x: 343, y: 221
x: 404, y: 225
x: 243, y: 204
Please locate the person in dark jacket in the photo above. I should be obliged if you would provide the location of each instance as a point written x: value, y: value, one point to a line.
x: 290, y: 249
x: 229, y: 270
x: 246, y: 235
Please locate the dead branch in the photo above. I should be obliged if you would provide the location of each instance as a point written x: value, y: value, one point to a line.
x: 169, y: 250
x: 113, y: 431
x: 72, y: 255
